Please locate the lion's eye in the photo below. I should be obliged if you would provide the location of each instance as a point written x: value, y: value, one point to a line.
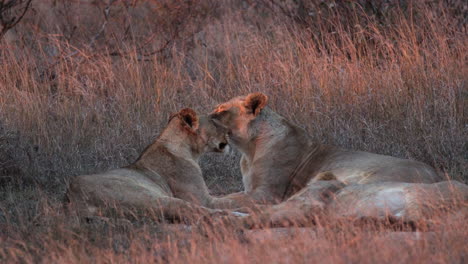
x: 218, y: 115
x: 221, y: 113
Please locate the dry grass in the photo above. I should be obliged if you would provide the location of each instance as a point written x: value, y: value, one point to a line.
x: 75, y: 99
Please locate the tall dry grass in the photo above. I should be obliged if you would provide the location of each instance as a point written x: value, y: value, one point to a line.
x: 81, y: 93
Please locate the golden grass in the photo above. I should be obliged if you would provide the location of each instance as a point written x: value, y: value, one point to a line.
x: 67, y: 107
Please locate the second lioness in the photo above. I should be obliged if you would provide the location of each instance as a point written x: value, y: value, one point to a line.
x: 280, y: 158
x: 166, y: 178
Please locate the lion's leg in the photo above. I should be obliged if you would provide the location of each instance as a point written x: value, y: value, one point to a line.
x: 296, y: 212
x: 254, y: 202
x: 238, y: 202
x: 301, y: 209
x: 177, y: 209
x: 263, y: 195
x: 231, y: 201
x: 234, y: 195
x: 240, y: 205
x: 289, y: 213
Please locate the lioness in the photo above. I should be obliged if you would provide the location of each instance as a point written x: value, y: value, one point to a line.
x: 279, y: 158
x: 165, y: 178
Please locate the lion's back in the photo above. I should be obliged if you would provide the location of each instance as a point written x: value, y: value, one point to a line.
x: 116, y: 187
x: 365, y: 167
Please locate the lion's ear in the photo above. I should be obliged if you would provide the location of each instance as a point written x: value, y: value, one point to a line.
x: 189, y: 118
x: 255, y: 102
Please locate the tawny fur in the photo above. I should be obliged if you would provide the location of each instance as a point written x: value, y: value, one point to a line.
x: 273, y: 149
x: 166, y: 178
x: 400, y: 201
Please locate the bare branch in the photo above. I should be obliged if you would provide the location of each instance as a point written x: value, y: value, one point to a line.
x: 7, y: 9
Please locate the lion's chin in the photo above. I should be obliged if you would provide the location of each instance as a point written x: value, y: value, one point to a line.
x: 226, y: 149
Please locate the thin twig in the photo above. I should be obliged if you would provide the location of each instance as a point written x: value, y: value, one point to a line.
x: 7, y: 25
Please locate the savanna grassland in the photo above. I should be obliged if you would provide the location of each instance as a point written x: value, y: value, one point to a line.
x: 86, y: 85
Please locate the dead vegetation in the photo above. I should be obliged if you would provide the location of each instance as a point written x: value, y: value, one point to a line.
x: 85, y: 85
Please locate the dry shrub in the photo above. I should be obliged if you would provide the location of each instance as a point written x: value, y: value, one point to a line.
x: 86, y: 85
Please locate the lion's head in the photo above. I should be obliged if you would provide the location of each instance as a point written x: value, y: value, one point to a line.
x: 240, y: 115
x: 204, y: 134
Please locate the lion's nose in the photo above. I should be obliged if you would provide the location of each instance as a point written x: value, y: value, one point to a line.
x: 222, y: 145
